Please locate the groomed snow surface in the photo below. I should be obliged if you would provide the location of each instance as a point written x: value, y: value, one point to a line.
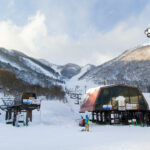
x: 64, y: 137
x: 55, y: 127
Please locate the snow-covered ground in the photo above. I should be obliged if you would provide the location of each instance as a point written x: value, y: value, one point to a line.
x: 55, y: 127
x: 64, y: 137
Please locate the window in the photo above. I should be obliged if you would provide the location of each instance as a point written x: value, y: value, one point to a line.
x: 120, y: 91
x: 134, y: 95
x: 104, y: 97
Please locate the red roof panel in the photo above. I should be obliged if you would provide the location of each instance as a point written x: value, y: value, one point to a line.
x: 90, y: 102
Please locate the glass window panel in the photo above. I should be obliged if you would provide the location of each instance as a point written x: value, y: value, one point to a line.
x: 134, y: 100
x: 105, y: 96
x: 141, y: 99
x: 109, y: 95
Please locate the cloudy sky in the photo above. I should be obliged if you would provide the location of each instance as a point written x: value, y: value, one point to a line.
x: 76, y: 31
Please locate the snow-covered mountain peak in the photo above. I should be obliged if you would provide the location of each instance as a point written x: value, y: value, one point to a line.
x: 27, y: 68
x: 69, y: 70
x: 131, y: 67
x: 138, y: 54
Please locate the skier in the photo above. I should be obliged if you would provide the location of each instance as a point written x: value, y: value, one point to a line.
x: 87, y: 120
x: 82, y: 122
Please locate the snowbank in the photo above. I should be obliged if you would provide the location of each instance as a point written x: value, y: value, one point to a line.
x: 54, y: 112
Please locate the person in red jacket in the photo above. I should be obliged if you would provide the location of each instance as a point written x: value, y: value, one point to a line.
x: 82, y: 122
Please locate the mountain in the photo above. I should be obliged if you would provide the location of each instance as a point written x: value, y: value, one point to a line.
x: 55, y: 67
x: 82, y: 72
x: 131, y: 67
x: 28, y: 69
x: 69, y: 70
x: 79, y: 85
x: 65, y: 71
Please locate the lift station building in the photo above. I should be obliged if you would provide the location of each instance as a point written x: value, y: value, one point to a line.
x: 116, y: 104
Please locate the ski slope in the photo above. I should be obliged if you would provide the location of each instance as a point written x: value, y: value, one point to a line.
x: 70, y: 137
x: 5, y: 60
x: 56, y: 127
x: 80, y: 85
x: 37, y: 68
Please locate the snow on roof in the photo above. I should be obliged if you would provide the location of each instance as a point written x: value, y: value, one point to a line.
x: 147, y: 97
x: 88, y: 92
x: 91, y: 90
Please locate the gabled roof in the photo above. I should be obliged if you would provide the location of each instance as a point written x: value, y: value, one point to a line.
x: 90, y: 98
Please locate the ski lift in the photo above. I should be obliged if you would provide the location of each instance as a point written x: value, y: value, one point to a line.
x: 147, y: 32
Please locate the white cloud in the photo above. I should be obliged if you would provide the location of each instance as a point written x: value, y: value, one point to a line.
x: 38, y: 39
x: 26, y: 38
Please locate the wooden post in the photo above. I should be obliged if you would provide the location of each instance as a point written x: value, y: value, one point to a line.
x: 15, y: 116
x: 28, y: 116
x: 109, y: 117
x: 101, y: 116
x: 97, y: 117
x: 92, y: 116
x: 6, y: 117
x: 9, y: 115
x: 104, y: 117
